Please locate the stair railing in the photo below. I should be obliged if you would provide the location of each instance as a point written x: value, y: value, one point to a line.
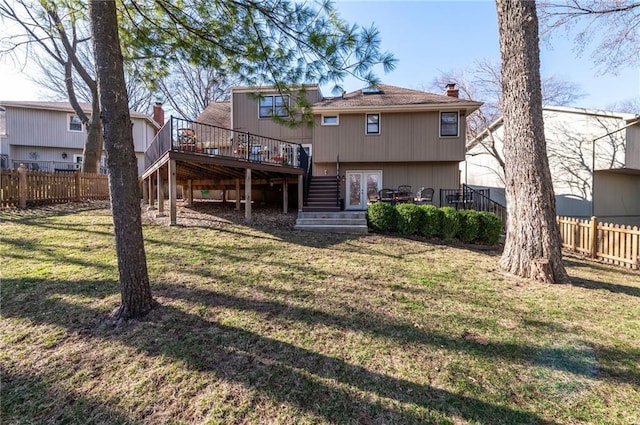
x: 338, y: 180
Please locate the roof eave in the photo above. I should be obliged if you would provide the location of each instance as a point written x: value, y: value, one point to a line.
x: 468, y: 107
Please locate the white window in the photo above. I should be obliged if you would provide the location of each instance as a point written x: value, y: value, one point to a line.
x: 73, y: 123
x: 449, y: 124
x: 270, y: 106
x: 3, y: 122
x: 330, y: 120
x: 373, y: 123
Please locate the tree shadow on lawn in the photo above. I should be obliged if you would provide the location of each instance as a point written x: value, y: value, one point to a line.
x: 31, y: 398
x: 318, y: 384
x: 295, y: 375
x: 606, y: 286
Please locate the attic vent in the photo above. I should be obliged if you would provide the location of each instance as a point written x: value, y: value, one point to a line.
x: 372, y: 90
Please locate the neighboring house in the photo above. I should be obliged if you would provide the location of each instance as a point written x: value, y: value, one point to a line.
x: 49, y: 136
x: 571, y: 135
x: 370, y: 139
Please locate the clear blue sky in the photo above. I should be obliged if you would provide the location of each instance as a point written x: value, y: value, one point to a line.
x: 428, y: 37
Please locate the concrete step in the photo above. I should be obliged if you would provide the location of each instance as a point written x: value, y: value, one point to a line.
x: 349, y: 215
x: 307, y: 208
x: 333, y: 228
x: 331, y: 221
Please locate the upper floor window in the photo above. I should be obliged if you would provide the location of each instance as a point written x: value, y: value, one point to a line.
x: 3, y: 122
x: 73, y: 123
x: 373, y: 123
x: 274, y: 106
x: 449, y: 124
x: 330, y: 120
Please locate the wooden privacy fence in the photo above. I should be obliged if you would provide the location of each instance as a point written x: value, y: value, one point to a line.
x: 612, y: 243
x: 22, y: 188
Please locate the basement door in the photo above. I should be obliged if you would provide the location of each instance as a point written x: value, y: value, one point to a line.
x: 360, y: 187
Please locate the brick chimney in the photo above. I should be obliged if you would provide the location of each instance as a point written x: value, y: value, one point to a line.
x: 452, y: 91
x: 158, y: 113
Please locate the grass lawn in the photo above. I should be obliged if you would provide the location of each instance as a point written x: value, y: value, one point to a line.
x: 265, y: 325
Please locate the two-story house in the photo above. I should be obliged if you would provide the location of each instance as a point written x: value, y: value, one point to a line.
x: 360, y: 142
x: 49, y: 136
x: 594, y: 158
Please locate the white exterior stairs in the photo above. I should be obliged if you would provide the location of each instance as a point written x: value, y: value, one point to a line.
x: 335, y: 222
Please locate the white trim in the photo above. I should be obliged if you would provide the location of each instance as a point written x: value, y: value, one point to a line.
x: 364, y: 200
x: 337, y: 117
x: 308, y: 145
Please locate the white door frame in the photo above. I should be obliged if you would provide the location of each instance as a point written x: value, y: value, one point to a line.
x: 363, y: 198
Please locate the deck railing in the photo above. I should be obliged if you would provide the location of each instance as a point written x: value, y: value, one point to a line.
x: 50, y: 166
x: 472, y: 199
x: 612, y: 243
x: 182, y: 135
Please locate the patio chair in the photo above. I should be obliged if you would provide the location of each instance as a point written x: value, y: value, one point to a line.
x: 404, y: 193
x: 386, y: 195
x: 425, y: 195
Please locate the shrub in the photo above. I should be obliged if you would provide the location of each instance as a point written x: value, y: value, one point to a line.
x: 490, y: 228
x: 469, y: 225
x: 432, y: 223
x: 382, y: 216
x: 410, y: 218
x: 450, y: 222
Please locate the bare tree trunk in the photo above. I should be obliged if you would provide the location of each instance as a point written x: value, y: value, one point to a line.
x: 93, y: 146
x: 121, y: 161
x: 532, y: 248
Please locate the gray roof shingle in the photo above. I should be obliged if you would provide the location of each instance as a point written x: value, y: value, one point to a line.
x: 217, y: 113
x: 389, y: 96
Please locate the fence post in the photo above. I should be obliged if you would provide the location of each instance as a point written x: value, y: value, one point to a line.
x: 22, y: 186
x: 77, y: 183
x: 593, y: 242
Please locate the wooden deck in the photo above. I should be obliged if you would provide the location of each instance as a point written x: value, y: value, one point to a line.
x: 226, y: 166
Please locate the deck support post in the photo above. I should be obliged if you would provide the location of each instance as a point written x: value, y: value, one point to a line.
x: 285, y: 196
x: 160, y: 194
x: 190, y: 192
x: 145, y: 193
x: 247, y: 196
x: 152, y: 200
x: 300, y: 192
x: 237, y: 194
x: 173, y: 193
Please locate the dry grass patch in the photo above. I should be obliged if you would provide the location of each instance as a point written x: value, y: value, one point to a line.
x: 264, y: 324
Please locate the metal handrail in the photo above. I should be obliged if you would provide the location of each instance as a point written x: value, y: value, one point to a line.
x: 181, y: 135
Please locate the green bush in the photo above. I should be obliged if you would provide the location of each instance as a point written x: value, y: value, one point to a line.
x: 432, y: 222
x: 490, y: 228
x: 450, y: 222
x: 410, y: 218
x: 469, y: 225
x: 383, y: 217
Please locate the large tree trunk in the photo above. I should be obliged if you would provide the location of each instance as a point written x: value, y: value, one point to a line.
x: 93, y: 145
x: 532, y: 248
x: 121, y: 162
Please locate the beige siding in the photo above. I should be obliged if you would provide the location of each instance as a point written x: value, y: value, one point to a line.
x: 246, y: 118
x: 438, y: 176
x: 616, y: 197
x: 633, y: 147
x: 407, y: 136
